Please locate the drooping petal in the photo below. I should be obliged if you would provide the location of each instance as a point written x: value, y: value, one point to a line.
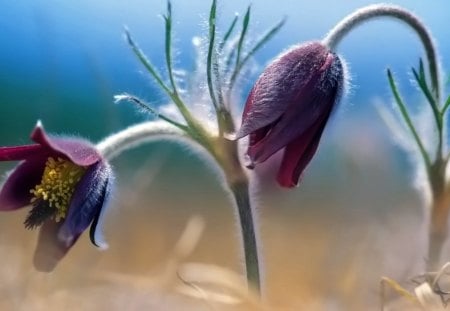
x: 315, y: 101
x: 87, y: 201
x: 50, y: 250
x: 298, y: 154
x: 280, y: 84
x: 18, y: 153
x: 291, y: 125
x: 79, y: 151
x: 258, y: 135
x: 15, y: 192
x: 95, y: 232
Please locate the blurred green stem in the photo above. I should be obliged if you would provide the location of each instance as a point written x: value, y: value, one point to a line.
x: 438, y: 229
x: 435, y: 168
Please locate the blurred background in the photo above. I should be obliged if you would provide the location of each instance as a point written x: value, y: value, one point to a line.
x: 355, y: 217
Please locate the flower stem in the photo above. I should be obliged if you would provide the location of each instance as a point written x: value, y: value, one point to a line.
x: 249, y: 238
x: 438, y: 229
x: 385, y: 10
x: 137, y: 135
x: 227, y: 155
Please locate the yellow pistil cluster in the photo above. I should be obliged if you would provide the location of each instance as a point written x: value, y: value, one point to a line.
x: 57, y: 185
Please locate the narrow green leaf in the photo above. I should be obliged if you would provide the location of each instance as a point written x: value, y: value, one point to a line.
x: 174, y: 96
x: 228, y: 33
x: 168, y: 45
x: 209, y: 61
x: 404, y: 112
x: 146, y: 107
x: 229, y: 59
x: 423, y: 86
x: 144, y: 60
x: 446, y: 105
x: 264, y: 39
x: 422, y: 71
x: 260, y: 43
x: 245, y: 24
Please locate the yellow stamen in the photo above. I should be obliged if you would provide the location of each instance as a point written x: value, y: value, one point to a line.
x: 57, y: 185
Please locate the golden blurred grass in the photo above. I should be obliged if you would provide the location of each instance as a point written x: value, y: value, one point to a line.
x: 324, y: 248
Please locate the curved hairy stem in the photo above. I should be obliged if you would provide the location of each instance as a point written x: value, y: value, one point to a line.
x: 385, y: 10
x: 137, y: 135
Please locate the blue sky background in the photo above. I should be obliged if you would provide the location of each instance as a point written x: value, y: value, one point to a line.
x: 62, y: 61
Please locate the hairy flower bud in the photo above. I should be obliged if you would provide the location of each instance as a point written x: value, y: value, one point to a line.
x: 289, y: 105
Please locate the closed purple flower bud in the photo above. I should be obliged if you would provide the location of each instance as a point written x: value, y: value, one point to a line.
x: 289, y: 106
x: 66, y: 182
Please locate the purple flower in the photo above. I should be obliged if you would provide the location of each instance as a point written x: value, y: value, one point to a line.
x: 289, y: 106
x: 66, y: 182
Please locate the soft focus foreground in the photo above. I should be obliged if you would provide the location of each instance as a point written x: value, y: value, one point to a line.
x: 325, y: 246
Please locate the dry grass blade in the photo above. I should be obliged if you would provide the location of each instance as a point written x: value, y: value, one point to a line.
x: 387, y: 282
x: 216, y: 284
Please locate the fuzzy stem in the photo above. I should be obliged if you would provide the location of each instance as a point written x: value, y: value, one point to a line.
x: 386, y: 10
x: 136, y: 135
x: 438, y: 229
x: 247, y: 224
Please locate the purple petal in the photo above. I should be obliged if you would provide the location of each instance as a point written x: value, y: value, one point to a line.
x: 96, y: 233
x: 316, y: 100
x: 87, y: 201
x: 50, y: 250
x: 15, y: 192
x: 280, y: 85
x: 17, y: 153
x: 298, y: 154
x: 79, y: 151
x: 290, y: 126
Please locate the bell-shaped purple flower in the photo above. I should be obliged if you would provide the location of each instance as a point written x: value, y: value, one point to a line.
x: 289, y: 106
x: 66, y: 182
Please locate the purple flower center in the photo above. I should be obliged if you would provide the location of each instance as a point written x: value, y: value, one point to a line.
x: 51, y: 197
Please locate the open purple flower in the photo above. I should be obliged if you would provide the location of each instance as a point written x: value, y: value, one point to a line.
x: 66, y: 182
x: 289, y: 106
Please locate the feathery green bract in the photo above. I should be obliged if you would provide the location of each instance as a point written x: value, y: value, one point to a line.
x: 172, y: 94
x: 145, y: 106
x: 245, y: 24
x: 168, y: 44
x: 144, y: 60
x: 404, y: 112
x: 446, y: 105
x: 260, y: 43
x: 228, y: 33
x: 209, y: 61
x: 421, y: 81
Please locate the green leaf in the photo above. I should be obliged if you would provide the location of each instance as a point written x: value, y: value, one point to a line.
x: 260, y: 43
x: 404, y: 112
x: 245, y: 24
x: 422, y: 70
x: 144, y: 60
x: 168, y: 45
x: 423, y: 86
x: 209, y: 61
x: 446, y: 105
x: 154, y: 73
x: 146, y: 107
x: 228, y: 33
